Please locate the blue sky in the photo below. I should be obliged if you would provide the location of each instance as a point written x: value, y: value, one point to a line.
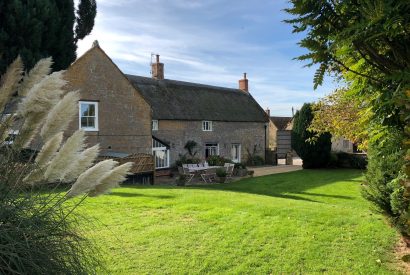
x: 211, y: 42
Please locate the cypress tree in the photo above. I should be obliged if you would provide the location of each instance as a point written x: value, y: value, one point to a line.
x: 40, y: 28
x: 315, y: 154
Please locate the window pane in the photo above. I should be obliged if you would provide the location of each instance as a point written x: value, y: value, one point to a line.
x: 91, y: 109
x: 91, y: 122
x: 84, y: 109
x: 83, y: 122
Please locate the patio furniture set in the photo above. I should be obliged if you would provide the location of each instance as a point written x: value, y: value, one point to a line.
x: 206, y: 172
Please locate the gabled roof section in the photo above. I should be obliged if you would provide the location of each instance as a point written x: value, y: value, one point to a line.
x: 178, y: 100
x: 281, y: 123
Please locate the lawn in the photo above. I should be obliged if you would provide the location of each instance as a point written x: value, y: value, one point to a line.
x: 299, y: 222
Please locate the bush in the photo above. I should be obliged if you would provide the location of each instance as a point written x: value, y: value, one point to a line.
x: 348, y: 160
x: 255, y: 161
x: 220, y: 172
x: 217, y: 161
x: 184, y: 159
x: 240, y: 165
x: 383, y: 180
x: 313, y: 150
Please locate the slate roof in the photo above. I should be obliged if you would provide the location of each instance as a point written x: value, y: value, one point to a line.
x: 178, y: 100
x: 280, y: 122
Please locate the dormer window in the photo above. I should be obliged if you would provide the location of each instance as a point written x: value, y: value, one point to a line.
x: 207, y: 125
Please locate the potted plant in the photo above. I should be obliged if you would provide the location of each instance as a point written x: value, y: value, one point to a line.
x: 221, y: 175
x: 240, y: 170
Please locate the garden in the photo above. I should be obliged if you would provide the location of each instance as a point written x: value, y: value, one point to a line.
x: 309, y: 221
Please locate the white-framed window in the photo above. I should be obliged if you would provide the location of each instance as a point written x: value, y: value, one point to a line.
x: 236, y: 152
x: 206, y: 125
x: 154, y: 125
x: 161, y: 154
x: 211, y: 149
x: 88, y: 115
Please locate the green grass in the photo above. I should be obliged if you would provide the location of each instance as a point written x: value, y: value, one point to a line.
x: 299, y: 222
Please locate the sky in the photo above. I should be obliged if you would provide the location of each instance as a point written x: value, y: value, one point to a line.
x: 210, y: 42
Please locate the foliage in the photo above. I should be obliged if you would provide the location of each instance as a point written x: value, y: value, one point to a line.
x: 183, y: 159
x: 348, y: 160
x: 342, y: 115
x: 190, y: 146
x: 41, y: 28
x: 217, y: 160
x: 315, y: 154
x: 383, y: 177
x: 240, y: 165
x: 366, y: 44
x: 38, y: 234
x: 315, y: 214
x: 221, y: 172
x: 254, y: 160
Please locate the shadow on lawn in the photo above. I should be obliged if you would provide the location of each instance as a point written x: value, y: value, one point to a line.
x: 293, y: 185
x: 130, y: 195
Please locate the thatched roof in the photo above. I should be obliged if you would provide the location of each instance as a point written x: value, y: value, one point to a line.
x: 177, y: 100
x: 281, y: 122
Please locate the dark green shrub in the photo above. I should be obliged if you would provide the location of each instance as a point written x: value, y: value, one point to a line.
x: 240, y: 165
x: 184, y: 159
x: 383, y: 180
x: 313, y: 150
x: 348, y: 160
x: 255, y: 161
x: 221, y: 172
x: 217, y: 161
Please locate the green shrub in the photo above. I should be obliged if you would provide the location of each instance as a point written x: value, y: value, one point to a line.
x: 348, y: 160
x: 221, y: 172
x: 255, y: 160
x: 313, y: 150
x: 184, y: 159
x: 240, y: 165
x: 383, y: 180
x: 217, y: 161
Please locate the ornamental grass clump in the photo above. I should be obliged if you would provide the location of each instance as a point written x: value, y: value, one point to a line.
x: 39, y: 233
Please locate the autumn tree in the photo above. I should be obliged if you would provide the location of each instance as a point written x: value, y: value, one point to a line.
x: 366, y: 44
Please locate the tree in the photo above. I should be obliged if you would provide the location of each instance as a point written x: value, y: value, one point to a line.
x: 315, y: 154
x: 366, y: 44
x: 342, y: 116
x: 41, y: 28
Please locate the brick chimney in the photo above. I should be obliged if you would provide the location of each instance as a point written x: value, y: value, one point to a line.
x: 243, y: 84
x: 267, y: 111
x: 157, y: 69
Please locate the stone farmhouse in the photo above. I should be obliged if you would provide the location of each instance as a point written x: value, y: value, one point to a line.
x: 280, y: 129
x: 129, y: 114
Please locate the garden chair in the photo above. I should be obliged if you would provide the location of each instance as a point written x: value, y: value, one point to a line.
x: 184, y: 171
x: 229, y: 170
x: 209, y: 175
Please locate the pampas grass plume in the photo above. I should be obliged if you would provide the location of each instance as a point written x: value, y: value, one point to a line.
x: 67, y: 155
x: 90, y: 178
x: 9, y: 81
x: 85, y: 160
x: 112, y: 179
x: 60, y: 116
x: 49, y: 149
x: 39, y: 71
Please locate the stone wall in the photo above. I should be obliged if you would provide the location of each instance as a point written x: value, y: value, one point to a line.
x: 177, y: 132
x: 123, y: 114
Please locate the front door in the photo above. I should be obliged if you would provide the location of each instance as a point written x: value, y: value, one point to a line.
x: 236, y: 152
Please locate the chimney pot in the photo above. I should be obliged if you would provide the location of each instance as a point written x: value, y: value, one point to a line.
x: 157, y: 58
x: 267, y: 111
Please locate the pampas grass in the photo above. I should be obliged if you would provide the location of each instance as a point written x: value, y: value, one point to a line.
x: 49, y: 149
x: 67, y: 155
x: 85, y: 160
x: 39, y: 71
x: 9, y: 82
x: 56, y: 120
x: 90, y: 178
x: 111, y: 179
